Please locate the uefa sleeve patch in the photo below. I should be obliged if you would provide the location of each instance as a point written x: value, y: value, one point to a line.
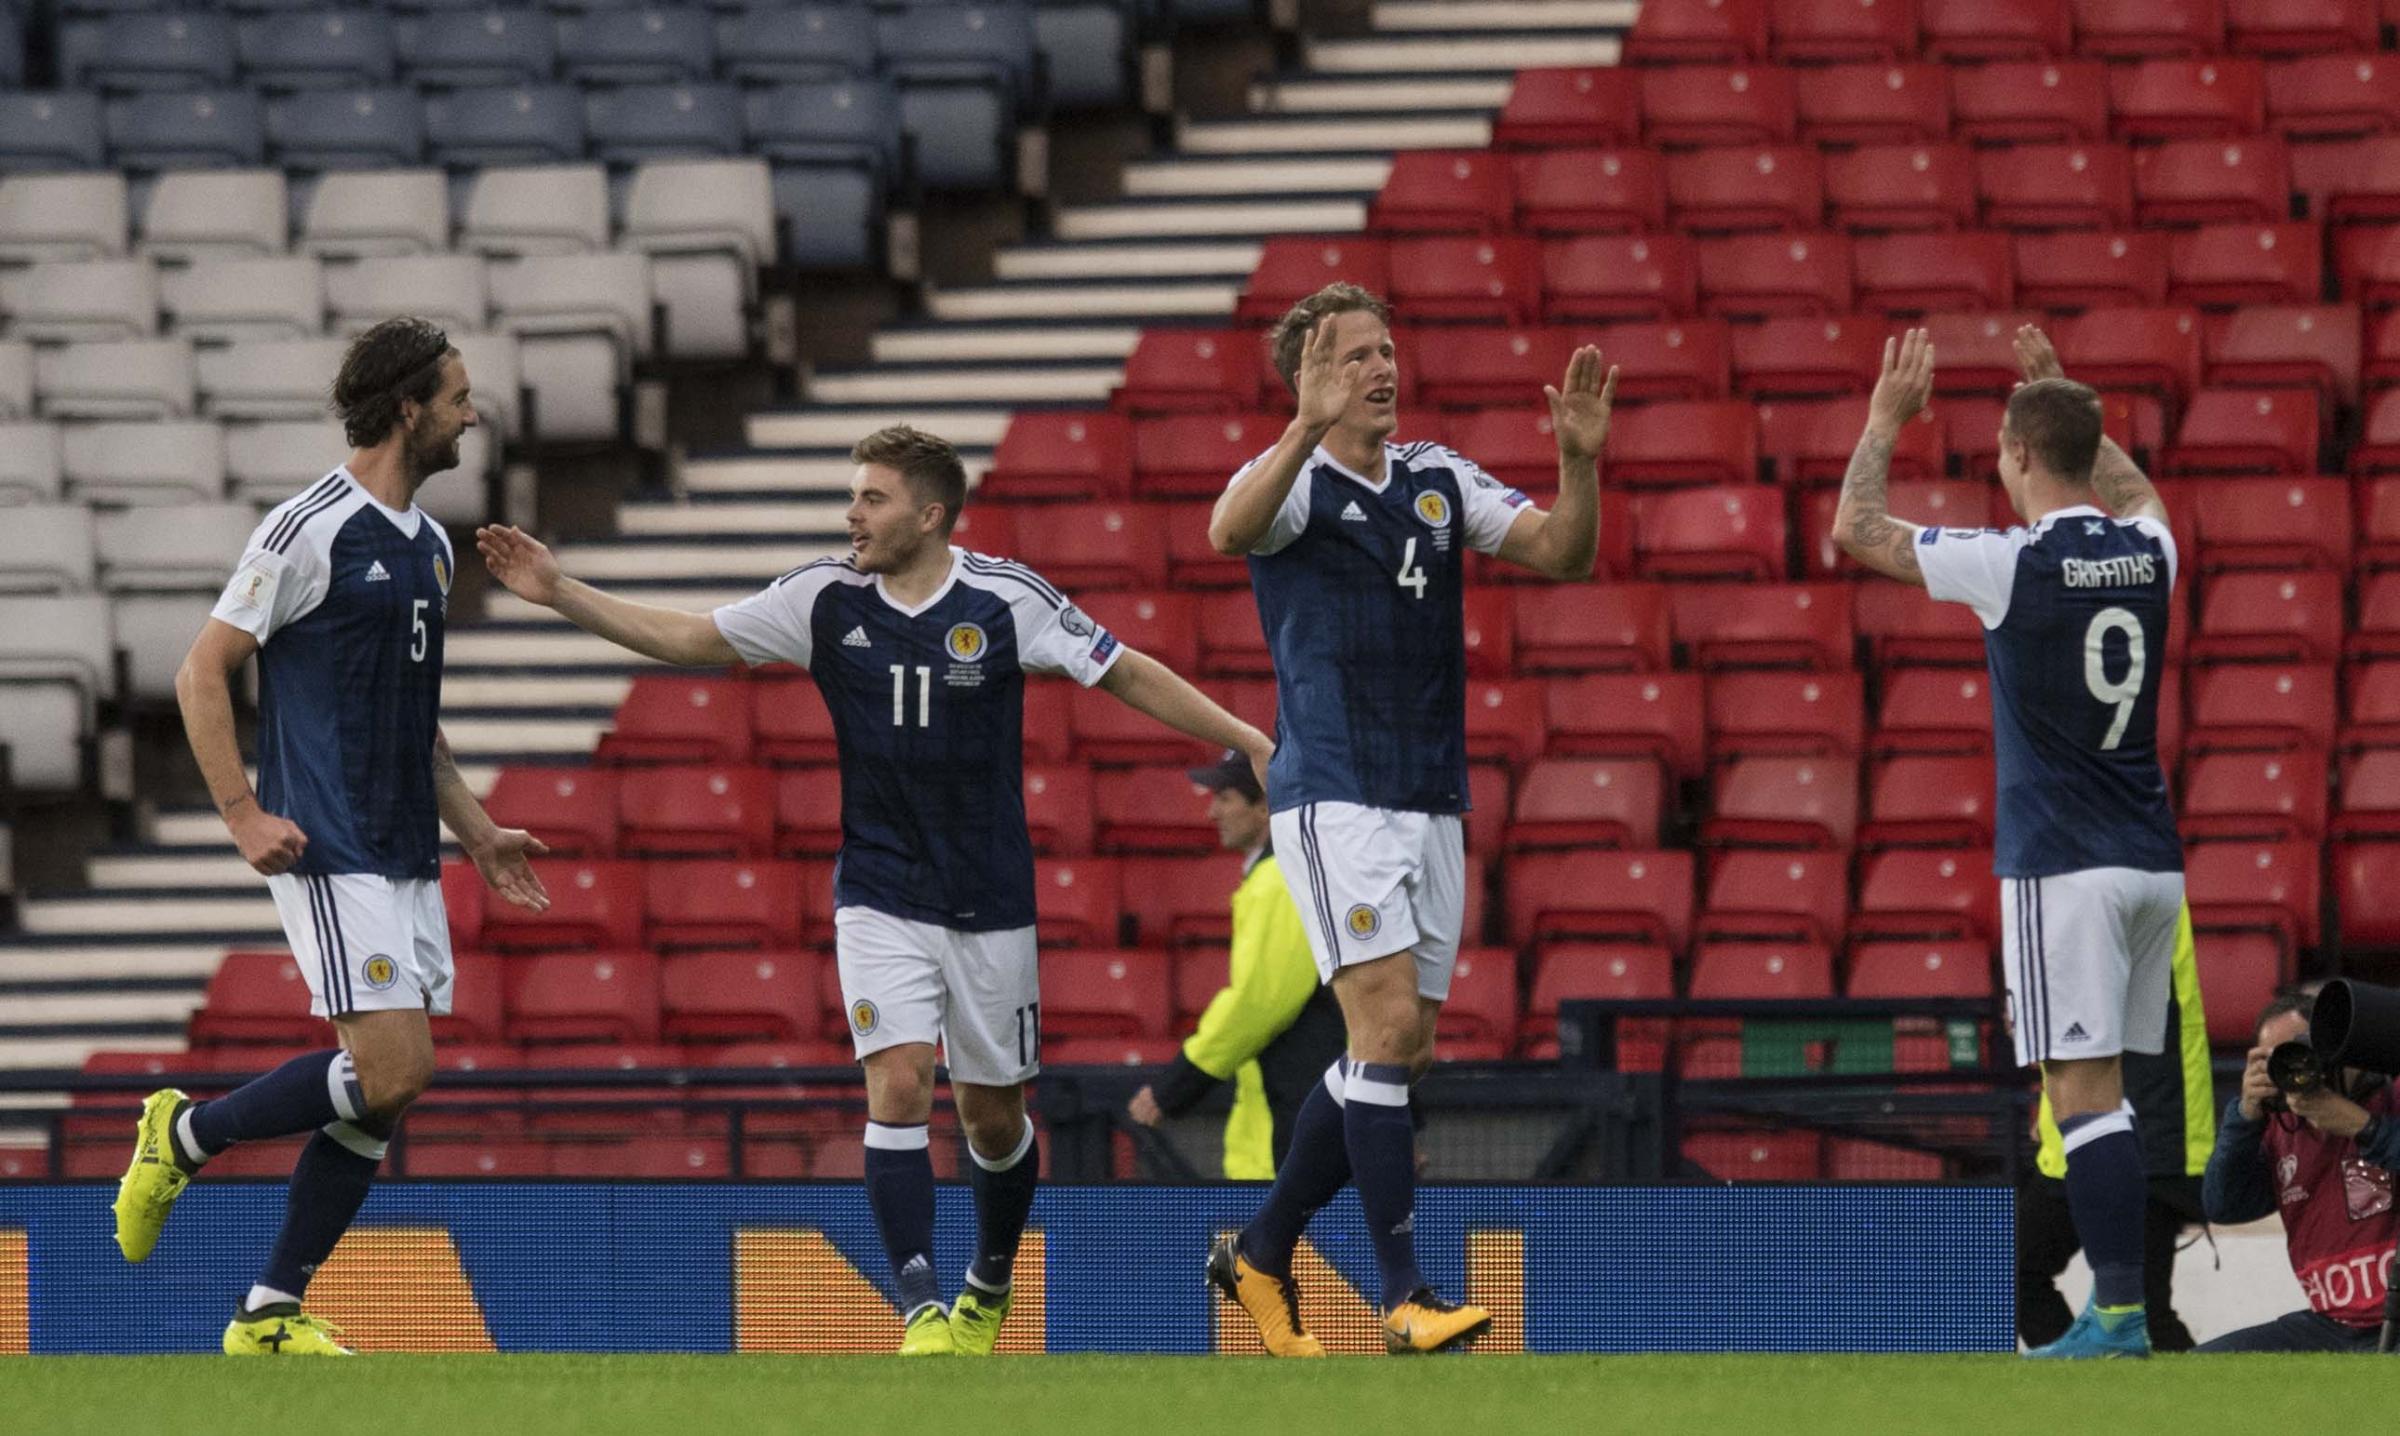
x: 1105, y: 645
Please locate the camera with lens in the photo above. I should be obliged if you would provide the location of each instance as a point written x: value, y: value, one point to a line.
x: 2294, y: 1069
x: 2356, y: 1028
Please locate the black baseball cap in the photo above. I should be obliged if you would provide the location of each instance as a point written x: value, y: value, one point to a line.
x: 1231, y: 771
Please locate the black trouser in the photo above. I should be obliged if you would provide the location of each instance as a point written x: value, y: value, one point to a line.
x: 1296, y: 1060
x: 2046, y: 1242
x: 2298, y: 1331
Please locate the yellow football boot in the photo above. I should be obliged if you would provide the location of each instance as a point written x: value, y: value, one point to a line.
x: 1426, y: 1323
x: 282, y: 1331
x: 148, y: 1190
x: 975, y: 1320
x: 1273, y: 1303
x: 928, y: 1334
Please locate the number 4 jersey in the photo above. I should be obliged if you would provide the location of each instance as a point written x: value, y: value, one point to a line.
x: 928, y: 708
x: 2075, y: 613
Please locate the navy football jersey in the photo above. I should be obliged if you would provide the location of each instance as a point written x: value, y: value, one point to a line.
x: 928, y: 709
x: 2074, y: 612
x: 1358, y: 588
x: 346, y: 599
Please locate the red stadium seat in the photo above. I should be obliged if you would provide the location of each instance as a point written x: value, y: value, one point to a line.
x: 2238, y: 973
x: 1232, y: 644
x: 710, y: 810
x: 2370, y: 794
x: 1949, y: 503
x: 593, y: 903
x: 2081, y: 271
x: 1926, y: 893
x: 2259, y: 797
x: 1611, y: 628
x: 1681, y: 359
x: 1788, y: 896
x: 2286, y: 346
x: 1645, y: 896
x: 2366, y: 880
x: 1588, y: 802
x: 2275, y: 523
x: 1812, y: 441
x: 1504, y: 720
x: 1806, y: 355
x: 2380, y: 355
x: 1183, y: 900
x: 2247, y: 431
x: 2267, y: 707
x: 1767, y: 274
x: 1513, y: 444
x: 1058, y: 808
x: 1822, y: 30
x: 1496, y: 279
x: 1903, y: 626
x: 740, y: 997
x: 478, y: 1000
x: 1729, y: 531
x: 1567, y: 971
x: 1292, y: 267
x: 1587, y: 105
x: 1655, y: 715
x: 1741, y: 187
x: 2213, y: 181
x: 1590, y: 191
x: 1756, y: 1156
x: 2037, y: 101
x: 987, y: 529
x: 584, y: 997
x: 1152, y: 810
x: 1112, y: 993
x: 1108, y: 546
x: 257, y: 997
x: 1779, y: 626
x: 1851, y: 1159
x: 1489, y: 633
x: 2275, y: 887
x: 1762, y: 970
x: 572, y: 810
x: 2294, y: 27
x: 463, y: 895
x: 727, y: 903
x: 2368, y: 261
x: 1443, y: 192
x: 1486, y: 820
x: 2372, y: 719
x: 1610, y: 276
x: 1161, y: 623
x: 2245, y: 264
x: 1184, y: 371
x: 471, y: 1156
x: 1062, y: 454
x: 1198, y: 977
x: 2319, y: 96
x: 1472, y: 366
x: 643, y: 1158
x: 1784, y: 802
x: 2122, y: 29
x: 1197, y: 455
x: 1683, y: 32
x: 1049, y: 736
x: 1482, y: 1006
x: 2356, y: 182
x: 1874, y: 104
x: 2289, y: 617
x: 1108, y: 731
x: 615, y: 1111
x: 2153, y: 350
x: 1902, y: 186
x: 1920, y: 969
x: 1697, y: 441
x: 1078, y: 900
x: 2378, y: 508
x: 808, y: 812
x: 1934, y: 711
x: 2378, y: 450
x: 1719, y: 105
x: 2080, y: 185
x: 1096, y: 1052
x: 1786, y: 714
x: 791, y: 721
x: 668, y: 718
x: 1994, y: 29
x: 1913, y: 273
x: 1929, y: 801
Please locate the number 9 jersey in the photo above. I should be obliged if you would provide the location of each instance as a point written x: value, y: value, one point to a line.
x: 2075, y: 612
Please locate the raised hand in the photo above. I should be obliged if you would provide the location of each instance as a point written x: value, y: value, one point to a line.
x: 2036, y: 357
x: 1327, y: 385
x: 508, y: 870
x: 1581, y: 404
x: 1906, y: 382
x: 523, y: 563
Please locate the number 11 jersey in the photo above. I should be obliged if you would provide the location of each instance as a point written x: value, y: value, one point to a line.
x: 2075, y: 612
x: 928, y: 708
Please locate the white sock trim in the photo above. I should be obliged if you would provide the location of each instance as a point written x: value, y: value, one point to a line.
x: 1378, y: 1094
x: 884, y: 1138
x: 1337, y: 1080
x: 341, y: 1074
x: 188, y: 1145
x: 1002, y: 1164
x: 263, y: 1295
x: 2106, y: 1124
x: 358, y: 1140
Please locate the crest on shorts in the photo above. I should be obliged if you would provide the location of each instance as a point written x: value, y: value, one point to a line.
x: 1433, y: 509
x: 380, y: 972
x: 441, y: 573
x: 864, y: 1017
x: 965, y: 642
x: 1363, y: 921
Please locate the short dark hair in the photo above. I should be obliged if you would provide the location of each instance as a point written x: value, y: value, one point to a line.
x: 928, y: 464
x: 2059, y: 421
x: 398, y: 361
x: 1292, y: 330
x: 2302, y: 1000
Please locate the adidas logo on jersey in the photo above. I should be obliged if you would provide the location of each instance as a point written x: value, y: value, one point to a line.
x: 856, y: 638
x: 1353, y: 514
x: 2075, y: 1033
x: 378, y: 573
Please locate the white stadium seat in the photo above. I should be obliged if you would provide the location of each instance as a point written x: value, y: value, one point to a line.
x: 74, y: 300
x: 173, y: 546
x: 155, y: 631
x: 56, y: 656
x: 16, y: 379
x: 62, y: 216
x: 354, y: 215
x: 707, y: 226
x: 130, y: 379
x: 494, y: 381
x: 146, y: 463
x: 191, y: 215
x: 273, y: 459
x: 445, y: 288
x: 580, y: 321
x: 270, y: 378
x: 47, y: 548
x: 32, y: 464
x: 535, y: 209
x: 463, y: 495
x: 223, y: 300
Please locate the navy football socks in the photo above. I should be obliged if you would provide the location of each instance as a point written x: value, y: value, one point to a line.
x: 329, y: 1184
x: 304, y: 1094
x: 1383, y: 1154
x: 1316, y: 1167
x: 2107, y: 1192
x: 900, y: 1192
x: 1003, y: 1189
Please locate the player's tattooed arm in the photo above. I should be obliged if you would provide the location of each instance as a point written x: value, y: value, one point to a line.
x: 1863, y: 522
x: 501, y: 854
x: 2122, y: 486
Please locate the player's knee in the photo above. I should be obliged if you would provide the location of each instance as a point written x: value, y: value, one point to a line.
x: 994, y: 1132
x: 388, y: 1086
x: 898, y: 1092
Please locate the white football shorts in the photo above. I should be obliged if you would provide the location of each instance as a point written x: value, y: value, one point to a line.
x: 1371, y: 882
x: 978, y: 994
x: 367, y: 943
x: 2090, y: 961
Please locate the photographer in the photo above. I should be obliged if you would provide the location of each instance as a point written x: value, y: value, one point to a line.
x: 2324, y: 1155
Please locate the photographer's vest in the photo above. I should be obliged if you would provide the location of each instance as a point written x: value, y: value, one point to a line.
x: 2338, y: 1222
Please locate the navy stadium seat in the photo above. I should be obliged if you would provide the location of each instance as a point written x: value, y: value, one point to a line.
x: 647, y: 46
x: 774, y: 45
x: 216, y: 129
x: 347, y: 129
x: 658, y: 122
x: 494, y: 47
x: 963, y: 73
x: 505, y: 125
x: 331, y: 49
x: 160, y: 50
x: 834, y: 149
x: 51, y: 130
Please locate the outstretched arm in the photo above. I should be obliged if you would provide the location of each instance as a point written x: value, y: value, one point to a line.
x: 2116, y: 478
x: 1562, y: 543
x: 500, y: 854
x: 1149, y: 686
x: 670, y: 635
x: 1863, y: 522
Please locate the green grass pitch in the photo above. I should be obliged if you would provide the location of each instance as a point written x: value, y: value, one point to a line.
x: 539, y: 1395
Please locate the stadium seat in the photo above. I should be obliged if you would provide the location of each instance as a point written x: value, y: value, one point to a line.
x: 2247, y: 431
x: 1058, y: 806
x: 1109, y: 546
x: 458, y: 48
x: 637, y: 46
x: 1197, y: 455
x: 1448, y: 277
x: 642, y: 1158
x: 584, y: 997
x: 1922, y: 893
x: 1777, y: 896
x: 2131, y: 29
x: 1784, y: 802
x: 1150, y: 810
x: 727, y: 903
x: 964, y: 74
x: 2270, y: 707
x: 1605, y: 277
x: 1728, y: 531
x: 1063, y: 454
x: 1292, y: 267
x: 1181, y: 371
x: 1755, y: 275
x: 224, y: 300
x: 1604, y: 628
x: 1163, y: 624
x: 2221, y: 265
x: 2212, y: 181
x: 808, y: 812
x: 1907, y: 186
x: 51, y: 130
x: 1589, y: 191
x: 1654, y: 715
x: 1865, y: 104
x: 2366, y: 879
x: 256, y: 997
x: 2285, y: 27
x: 31, y: 456
x: 1568, y: 971
x: 148, y: 50
x: 463, y: 897
x: 740, y: 997
x: 2378, y: 449
x: 1811, y: 441
x: 2091, y: 270
x: 2275, y: 523
x: 773, y: 45
x: 594, y: 903
x: 478, y: 1000
x: 1642, y: 896
x: 2155, y: 350
x: 1179, y: 901
x: 1505, y: 720
x: 1079, y: 900
x: 528, y: 124
x: 1815, y: 31
x: 1801, y: 356
x: 1745, y: 187
x: 2285, y: 346
x: 573, y: 809
x: 674, y: 719
x: 1913, y: 273
x: 2079, y: 185
x: 49, y: 548
x: 834, y: 149
x: 789, y: 718
x: 1480, y: 1016
x: 1763, y: 626
x: 1443, y: 192
x: 1994, y: 29
x: 1513, y: 444
x: 1756, y: 1156
x: 1111, y: 993
x: 2258, y: 797
x: 1682, y: 359
x: 696, y: 811
x: 1700, y: 441
x: 1480, y: 365
x: 1588, y: 105
x: 2370, y: 782
x: 2377, y: 503
x: 1719, y: 105
x: 448, y: 289
x: 2238, y: 973
x: 1932, y: 801
x: 1763, y: 970
x: 1890, y: 970
x: 631, y: 124
x: 1934, y: 711
x: 1588, y: 802
x: 2030, y: 102
x: 2322, y: 96
x: 1232, y: 644
x: 320, y: 50
x: 1682, y: 32
x: 2276, y: 887
x: 361, y: 128
x: 1769, y: 714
